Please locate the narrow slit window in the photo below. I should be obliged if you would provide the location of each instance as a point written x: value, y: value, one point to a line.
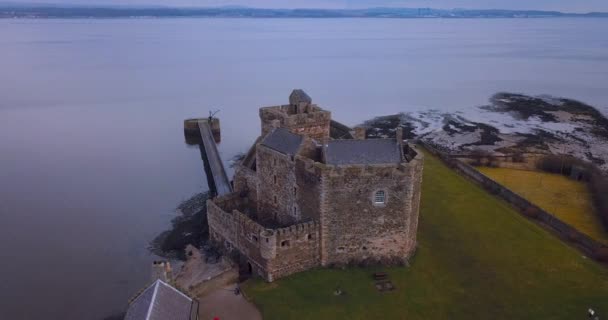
x: 380, y: 197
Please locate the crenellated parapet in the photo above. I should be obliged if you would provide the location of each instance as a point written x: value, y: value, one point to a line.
x: 297, y: 231
x: 309, y: 120
x: 274, y: 252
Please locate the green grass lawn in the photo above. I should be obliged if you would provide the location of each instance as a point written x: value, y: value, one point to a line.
x: 567, y: 199
x: 477, y: 259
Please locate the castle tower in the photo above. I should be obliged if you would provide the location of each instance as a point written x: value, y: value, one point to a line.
x: 300, y: 116
x: 268, y: 244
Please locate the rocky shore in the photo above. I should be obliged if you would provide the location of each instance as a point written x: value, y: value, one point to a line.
x: 188, y: 227
x: 510, y: 123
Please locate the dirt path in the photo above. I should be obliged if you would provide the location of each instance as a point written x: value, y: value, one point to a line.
x: 223, y: 304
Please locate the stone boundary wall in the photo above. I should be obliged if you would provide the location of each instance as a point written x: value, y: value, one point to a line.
x: 530, y: 160
x: 566, y: 232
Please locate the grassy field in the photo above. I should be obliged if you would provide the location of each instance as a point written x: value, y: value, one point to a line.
x: 477, y: 259
x: 565, y: 198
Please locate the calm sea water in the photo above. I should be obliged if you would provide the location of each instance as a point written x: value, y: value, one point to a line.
x: 92, y: 157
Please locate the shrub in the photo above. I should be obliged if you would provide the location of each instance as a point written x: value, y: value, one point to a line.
x: 598, y: 185
x: 601, y: 254
x: 482, y: 157
x: 532, y: 212
x: 552, y: 163
x: 598, y: 181
x: 518, y: 157
x: 572, y: 236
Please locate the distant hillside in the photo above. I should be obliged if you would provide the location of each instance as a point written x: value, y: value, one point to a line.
x: 59, y: 11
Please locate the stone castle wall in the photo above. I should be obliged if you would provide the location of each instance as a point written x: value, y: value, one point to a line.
x: 315, y: 124
x: 297, y: 249
x: 272, y: 253
x: 308, y: 193
x: 335, y: 200
x: 389, y: 233
x: 276, y: 187
x: 290, y: 213
x: 246, y: 181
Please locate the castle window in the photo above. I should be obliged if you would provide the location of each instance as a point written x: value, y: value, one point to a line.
x: 254, y: 238
x: 275, y: 161
x: 285, y: 243
x: 275, y: 201
x: 295, y: 211
x: 275, y: 179
x: 309, y: 237
x: 380, y: 197
x: 295, y: 191
x: 340, y: 249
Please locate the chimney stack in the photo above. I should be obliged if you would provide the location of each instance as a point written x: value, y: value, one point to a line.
x: 162, y: 270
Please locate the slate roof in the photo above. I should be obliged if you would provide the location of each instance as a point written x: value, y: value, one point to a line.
x: 372, y: 151
x: 297, y: 96
x: 160, y: 301
x: 283, y: 141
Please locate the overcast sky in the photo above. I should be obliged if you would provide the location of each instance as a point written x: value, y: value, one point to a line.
x: 560, y: 5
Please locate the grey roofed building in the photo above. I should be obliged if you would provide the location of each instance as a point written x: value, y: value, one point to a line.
x: 372, y: 151
x: 297, y: 96
x: 160, y: 301
x: 283, y: 141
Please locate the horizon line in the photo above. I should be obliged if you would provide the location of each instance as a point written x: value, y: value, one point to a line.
x: 152, y: 6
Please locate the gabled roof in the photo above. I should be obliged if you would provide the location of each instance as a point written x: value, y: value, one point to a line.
x: 283, y: 141
x: 297, y: 96
x: 161, y: 301
x: 372, y: 151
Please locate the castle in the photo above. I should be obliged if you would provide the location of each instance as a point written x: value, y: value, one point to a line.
x: 305, y: 196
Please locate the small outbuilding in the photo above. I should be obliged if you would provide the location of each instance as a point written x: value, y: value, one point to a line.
x: 161, y: 301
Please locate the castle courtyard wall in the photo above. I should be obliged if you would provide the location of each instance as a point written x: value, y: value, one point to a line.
x: 272, y: 253
x: 297, y: 250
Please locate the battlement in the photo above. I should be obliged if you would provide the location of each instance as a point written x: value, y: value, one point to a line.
x: 218, y: 207
x: 234, y: 230
x: 309, y: 120
x: 296, y: 230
